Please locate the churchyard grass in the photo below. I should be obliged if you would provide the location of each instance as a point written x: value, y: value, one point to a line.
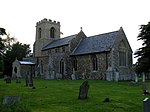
x: 62, y: 96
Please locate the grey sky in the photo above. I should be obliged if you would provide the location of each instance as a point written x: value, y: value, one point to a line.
x: 19, y: 17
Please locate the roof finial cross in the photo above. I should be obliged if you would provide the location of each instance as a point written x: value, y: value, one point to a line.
x: 81, y: 28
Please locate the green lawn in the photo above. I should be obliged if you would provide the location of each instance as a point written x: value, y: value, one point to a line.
x: 61, y: 96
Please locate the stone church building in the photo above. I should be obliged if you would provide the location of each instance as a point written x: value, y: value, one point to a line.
x: 105, y: 56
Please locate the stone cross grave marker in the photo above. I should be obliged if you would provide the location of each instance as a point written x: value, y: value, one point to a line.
x: 83, y: 91
x: 146, y: 105
x: 10, y: 100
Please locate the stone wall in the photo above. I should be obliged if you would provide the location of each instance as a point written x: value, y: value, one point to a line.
x: 27, y: 70
x: 42, y: 40
x: 114, y: 68
x: 74, y: 42
x: 85, y: 69
x: 51, y: 63
x: 22, y: 70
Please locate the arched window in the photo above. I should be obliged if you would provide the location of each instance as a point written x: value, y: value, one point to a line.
x: 122, y: 54
x: 40, y: 32
x: 122, y: 58
x: 15, y: 69
x: 74, y: 63
x: 62, y: 67
x: 52, y: 32
x: 94, y: 62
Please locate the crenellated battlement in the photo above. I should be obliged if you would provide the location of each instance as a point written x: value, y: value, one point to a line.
x: 48, y: 21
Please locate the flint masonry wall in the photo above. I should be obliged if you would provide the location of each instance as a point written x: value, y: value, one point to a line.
x: 84, y: 67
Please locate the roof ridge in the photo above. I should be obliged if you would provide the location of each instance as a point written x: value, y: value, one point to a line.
x: 65, y: 39
x: 103, y: 34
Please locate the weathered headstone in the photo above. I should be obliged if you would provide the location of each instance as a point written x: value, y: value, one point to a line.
x: 146, y: 105
x: 83, y: 91
x: 136, y: 78
x: 52, y: 75
x: 18, y: 80
x: 47, y: 76
x: 116, y: 76
x: 143, y: 77
x: 58, y: 76
x: 29, y: 81
x: 83, y: 75
x: 10, y: 100
x: 144, y: 88
x: 7, y: 79
x: 73, y: 76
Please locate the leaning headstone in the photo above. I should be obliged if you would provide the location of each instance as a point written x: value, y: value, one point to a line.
x: 10, y: 100
x: 144, y: 88
x: 146, y: 105
x: 83, y: 91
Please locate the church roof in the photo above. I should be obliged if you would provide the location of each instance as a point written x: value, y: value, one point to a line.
x: 59, y: 42
x: 26, y: 63
x: 97, y: 43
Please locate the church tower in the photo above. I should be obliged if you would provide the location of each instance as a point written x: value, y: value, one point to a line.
x: 46, y: 31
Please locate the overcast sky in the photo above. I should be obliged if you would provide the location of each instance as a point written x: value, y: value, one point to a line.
x: 19, y: 17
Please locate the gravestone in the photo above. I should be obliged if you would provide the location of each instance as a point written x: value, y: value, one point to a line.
x: 73, y: 76
x: 52, y: 75
x: 29, y: 81
x: 47, y: 76
x: 83, y: 91
x: 7, y: 79
x: 106, y: 100
x: 10, y: 100
x: 18, y: 80
x: 116, y: 76
x: 135, y: 77
x: 146, y: 105
x: 144, y: 88
x: 143, y: 77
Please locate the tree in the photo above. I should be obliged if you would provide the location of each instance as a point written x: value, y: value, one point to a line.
x: 2, y: 31
x: 143, y: 53
x: 8, y: 41
x: 17, y: 50
x: 2, y: 46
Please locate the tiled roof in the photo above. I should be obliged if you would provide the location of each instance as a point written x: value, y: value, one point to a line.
x: 97, y: 43
x: 59, y: 42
